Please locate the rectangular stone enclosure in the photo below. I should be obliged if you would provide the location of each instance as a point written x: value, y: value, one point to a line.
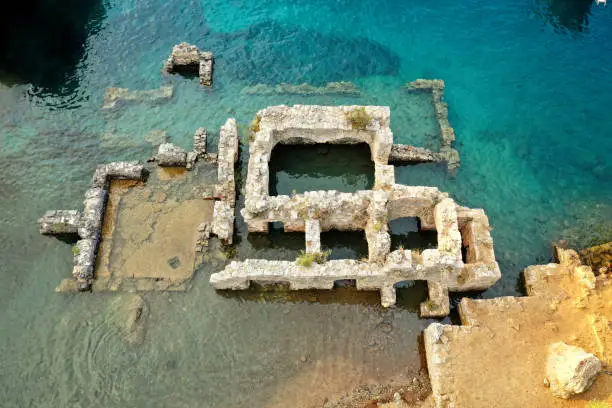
x: 463, y: 260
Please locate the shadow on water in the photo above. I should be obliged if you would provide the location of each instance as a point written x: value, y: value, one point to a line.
x: 567, y: 15
x: 300, y: 168
x: 42, y: 42
x: 270, y: 53
x: 345, y: 244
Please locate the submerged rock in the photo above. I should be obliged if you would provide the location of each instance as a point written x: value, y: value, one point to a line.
x: 132, y: 317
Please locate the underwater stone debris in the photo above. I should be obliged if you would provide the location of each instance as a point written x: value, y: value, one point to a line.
x: 444, y: 267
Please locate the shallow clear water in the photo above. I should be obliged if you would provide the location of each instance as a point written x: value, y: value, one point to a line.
x: 528, y: 92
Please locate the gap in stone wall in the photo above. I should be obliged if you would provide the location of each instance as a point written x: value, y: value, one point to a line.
x: 267, y: 245
x: 421, y: 174
x: 406, y: 233
x: 410, y: 294
x: 300, y: 168
x: 345, y: 244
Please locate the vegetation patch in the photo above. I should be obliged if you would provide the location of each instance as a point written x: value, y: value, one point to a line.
x: 307, y: 258
x: 359, y: 118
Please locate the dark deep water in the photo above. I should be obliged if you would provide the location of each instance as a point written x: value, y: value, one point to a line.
x: 528, y: 87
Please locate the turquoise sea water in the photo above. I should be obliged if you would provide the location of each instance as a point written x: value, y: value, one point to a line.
x: 528, y: 87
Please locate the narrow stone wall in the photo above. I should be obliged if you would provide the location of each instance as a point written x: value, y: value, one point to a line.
x: 436, y: 86
x: 223, y: 220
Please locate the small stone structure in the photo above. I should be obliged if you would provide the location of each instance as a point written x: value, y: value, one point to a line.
x: 519, y: 337
x: 115, y: 96
x: 312, y: 212
x: 89, y: 223
x: 570, y: 370
x: 436, y: 86
x: 188, y: 58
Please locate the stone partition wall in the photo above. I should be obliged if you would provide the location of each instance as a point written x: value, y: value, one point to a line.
x: 368, y: 210
x: 88, y: 224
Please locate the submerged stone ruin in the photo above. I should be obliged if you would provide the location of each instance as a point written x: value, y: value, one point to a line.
x: 114, y: 97
x: 187, y: 58
x: 436, y: 87
x: 549, y: 345
x: 464, y: 259
x: 91, y: 265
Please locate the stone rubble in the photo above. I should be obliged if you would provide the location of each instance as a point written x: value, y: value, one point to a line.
x: 570, y: 370
x: 316, y: 211
x: 188, y: 58
x: 115, y: 96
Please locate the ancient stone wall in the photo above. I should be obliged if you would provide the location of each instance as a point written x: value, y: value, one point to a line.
x: 88, y: 224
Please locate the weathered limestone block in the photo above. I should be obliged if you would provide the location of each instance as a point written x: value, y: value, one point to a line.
x: 410, y: 154
x: 170, y: 155
x: 114, y: 96
x: 388, y: 296
x: 93, y: 213
x: 84, y: 261
x: 438, y: 304
x: 199, y: 142
x: 438, y: 340
x: 206, y: 68
x: 227, y: 157
x: 118, y: 170
x: 379, y: 244
x: 598, y: 257
x: 410, y: 201
x: 313, y: 236
x: 384, y: 176
x: 60, y: 222
x: 570, y: 370
x: 449, y: 237
x: 223, y: 221
x: 183, y: 55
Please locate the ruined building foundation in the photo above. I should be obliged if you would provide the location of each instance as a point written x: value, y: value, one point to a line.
x: 444, y: 268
